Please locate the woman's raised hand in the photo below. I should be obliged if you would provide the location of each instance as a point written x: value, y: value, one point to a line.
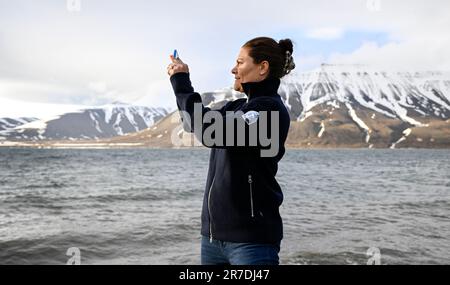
x: 177, y: 66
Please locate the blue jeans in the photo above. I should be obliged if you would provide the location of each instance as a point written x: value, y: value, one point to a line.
x: 224, y: 252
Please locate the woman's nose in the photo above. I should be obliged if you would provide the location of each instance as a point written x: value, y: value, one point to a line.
x: 233, y: 70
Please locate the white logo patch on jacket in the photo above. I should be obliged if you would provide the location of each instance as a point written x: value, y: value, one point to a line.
x: 251, y: 117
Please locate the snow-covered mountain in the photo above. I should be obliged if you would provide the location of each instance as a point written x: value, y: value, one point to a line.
x: 345, y: 106
x: 87, y: 123
x: 401, y: 95
x: 358, y: 105
x: 11, y: 123
x: 332, y: 106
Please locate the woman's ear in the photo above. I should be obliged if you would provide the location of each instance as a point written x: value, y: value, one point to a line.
x: 264, y: 67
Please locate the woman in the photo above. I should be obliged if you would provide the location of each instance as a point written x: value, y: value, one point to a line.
x: 241, y: 223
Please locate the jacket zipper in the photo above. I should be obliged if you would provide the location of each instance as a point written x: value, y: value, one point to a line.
x: 209, y: 210
x: 251, y: 194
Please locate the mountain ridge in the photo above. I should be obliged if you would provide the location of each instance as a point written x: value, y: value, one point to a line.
x: 341, y: 106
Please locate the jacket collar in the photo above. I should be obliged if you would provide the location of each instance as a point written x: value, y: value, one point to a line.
x: 267, y: 87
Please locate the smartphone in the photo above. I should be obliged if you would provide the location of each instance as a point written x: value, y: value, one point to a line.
x: 175, y: 54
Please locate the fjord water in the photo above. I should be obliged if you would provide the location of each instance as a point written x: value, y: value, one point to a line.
x: 143, y: 206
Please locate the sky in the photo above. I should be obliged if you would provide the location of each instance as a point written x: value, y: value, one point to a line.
x: 94, y: 52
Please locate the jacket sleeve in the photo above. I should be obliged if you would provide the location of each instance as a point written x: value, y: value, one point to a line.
x: 225, y: 128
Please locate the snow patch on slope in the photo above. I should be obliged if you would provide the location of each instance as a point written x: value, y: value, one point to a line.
x: 406, y: 133
x: 358, y: 121
x: 322, y: 129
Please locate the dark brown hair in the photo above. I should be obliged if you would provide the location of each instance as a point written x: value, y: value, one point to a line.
x: 265, y: 48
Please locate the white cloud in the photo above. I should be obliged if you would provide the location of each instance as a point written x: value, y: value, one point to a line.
x: 98, y: 87
x: 29, y: 90
x: 306, y: 63
x: 118, y: 50
x: 415, y: 54
x: 16, y: 108
x: 329, y: 33
x: 158, y: 93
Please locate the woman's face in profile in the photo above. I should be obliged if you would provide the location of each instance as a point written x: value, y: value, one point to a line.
x: 246, y: 70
